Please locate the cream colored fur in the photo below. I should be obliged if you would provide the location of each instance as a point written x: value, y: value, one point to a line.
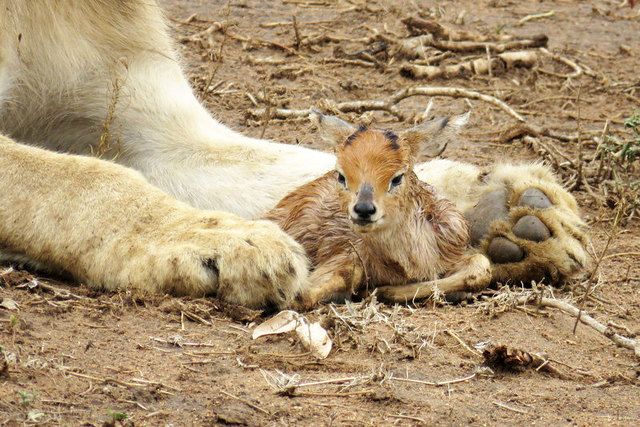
x: 63, y: 59
x: 64, y: 65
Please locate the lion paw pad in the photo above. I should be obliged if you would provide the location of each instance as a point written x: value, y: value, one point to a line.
x: 534, y: 198
x: 502, y: 251
x: 531, y: 228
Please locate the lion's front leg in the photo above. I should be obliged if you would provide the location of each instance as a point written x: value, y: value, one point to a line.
x: 106, y: 226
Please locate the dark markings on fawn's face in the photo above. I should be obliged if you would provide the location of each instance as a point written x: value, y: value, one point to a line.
x: 353, y: 136
x: 392, y: 138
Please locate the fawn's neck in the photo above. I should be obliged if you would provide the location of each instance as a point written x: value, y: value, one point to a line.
x: 407, y: 250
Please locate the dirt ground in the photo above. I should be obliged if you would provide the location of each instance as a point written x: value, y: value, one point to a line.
x: 72, y: 356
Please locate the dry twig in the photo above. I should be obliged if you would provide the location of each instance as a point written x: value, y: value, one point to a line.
x: 390, y: 104
x: 612, y: 234
x: 564, y: 306
x: 536, y: 16
x: 412, y: 48
x: 491, y: 65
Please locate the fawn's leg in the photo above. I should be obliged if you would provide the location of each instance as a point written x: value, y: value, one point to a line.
x: 472, y: 273
x: 334, y: 280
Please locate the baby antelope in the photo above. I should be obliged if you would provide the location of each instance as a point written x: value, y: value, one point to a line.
x: 372, y: 223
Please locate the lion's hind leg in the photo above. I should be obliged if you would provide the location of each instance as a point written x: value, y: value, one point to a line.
x: 528, y: 226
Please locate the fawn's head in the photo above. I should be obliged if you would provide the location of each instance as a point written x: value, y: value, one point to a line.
x: 374, y: 167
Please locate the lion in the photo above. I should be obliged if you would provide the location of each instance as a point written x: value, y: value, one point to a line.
x: 177, y: 209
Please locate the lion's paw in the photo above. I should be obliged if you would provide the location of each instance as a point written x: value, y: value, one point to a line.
x: 251, y: 263
x: 260, y: 266
x: 529, y: 228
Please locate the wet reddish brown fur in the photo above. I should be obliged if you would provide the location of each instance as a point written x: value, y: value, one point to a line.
x: 422, y: 237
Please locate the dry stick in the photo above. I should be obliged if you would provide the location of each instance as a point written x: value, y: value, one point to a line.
x: 332, y: 381
x: 389, y: 104
x: 498, y: 64
x: 580, y: 176
x: 138, y: 404
x: 438, y: 383
x: 246, y: 402
x: 57, y: 292
x: 599, y: 153
x: 546, y: 149
x: 263, y: 42
x: 266, y: 61
x: 196, y: 318
x: 407, y: 417
x: 105, y: 380
x: 296, y: 31
x: 287, y: 23
x: 343, y: 61
x: 206, y: 353
x: 510, y: 408
x: 215, y: 27
x: 435, y: 59
x: 618, y: 339
x: 182, y: 344
x: 412, y: 47
x: 462, y: 343
x: 621, y: 254
x: 519, y: 130
x: 364, y: 267
x: 419, y: 26
x: 587, y: 291
x: 577, y: 70
x: 142, y: 380
x: 267, y: 113
x: 536, y: 16
x: 331, y: 394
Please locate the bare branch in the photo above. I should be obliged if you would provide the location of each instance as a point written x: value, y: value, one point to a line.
x: 413, y: 47
x: 495, y: 66
x: 564, y: 306
x: 390, y: 104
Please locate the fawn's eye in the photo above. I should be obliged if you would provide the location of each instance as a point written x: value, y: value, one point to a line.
x: 396, y: 181
x: 342, y: 180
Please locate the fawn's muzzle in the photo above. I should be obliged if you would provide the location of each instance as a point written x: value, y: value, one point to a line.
x: 364, y: 210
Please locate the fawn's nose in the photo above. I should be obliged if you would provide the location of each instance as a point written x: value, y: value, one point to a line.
x: 364, y: 210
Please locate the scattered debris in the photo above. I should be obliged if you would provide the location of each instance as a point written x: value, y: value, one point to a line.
x: 8, y: 304
x: 501, y: 357
x: 313, y: 336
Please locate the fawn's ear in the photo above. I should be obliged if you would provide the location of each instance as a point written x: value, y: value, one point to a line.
x: 332, y: 129
x: 432, y: 136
